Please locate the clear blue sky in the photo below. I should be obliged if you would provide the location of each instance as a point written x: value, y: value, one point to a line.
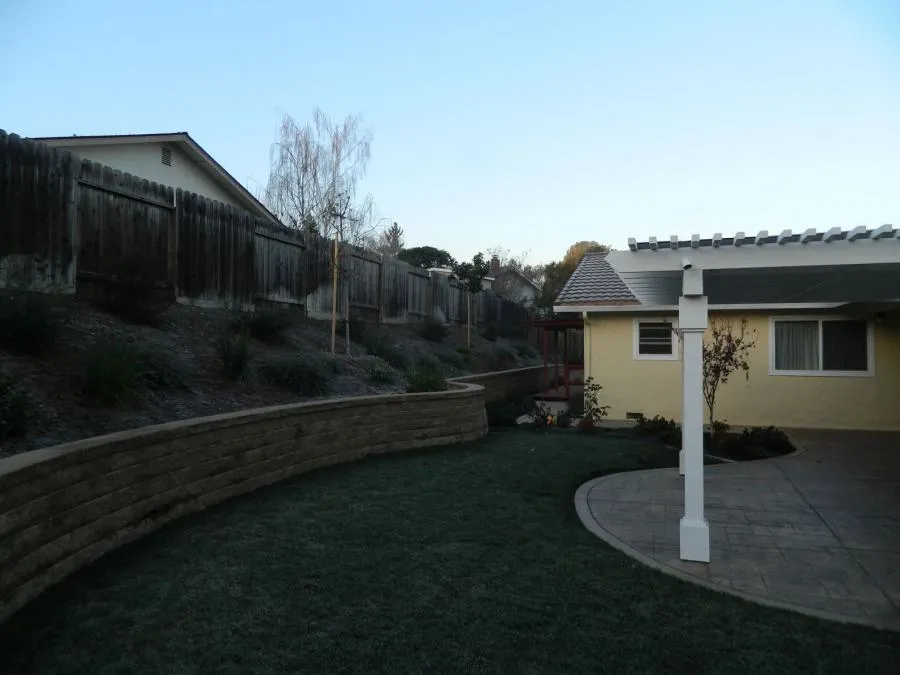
x: 524, y: 124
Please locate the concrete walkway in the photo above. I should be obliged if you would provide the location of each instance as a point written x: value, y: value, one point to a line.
x: 817, y: 531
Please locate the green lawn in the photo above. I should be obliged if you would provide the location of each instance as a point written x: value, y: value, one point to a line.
x: 466, y: 559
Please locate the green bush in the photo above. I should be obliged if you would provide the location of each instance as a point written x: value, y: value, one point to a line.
x: 304, y: 376
x: 133, y: 294
x: 381, y: 374
x: 502, y: 414
x: 112, y: 370
x: 665, y: 430
x: 266, y: 325
x: 491, y: 332
x: 234, y: 351
x: 14, y: 409
x: 28, y: 324
x: 424, y: 376
x: 433, y: 330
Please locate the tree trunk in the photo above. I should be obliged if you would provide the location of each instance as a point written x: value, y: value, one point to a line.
x: 347, y: 317
x: 469, y: 320
x: 334, y: 295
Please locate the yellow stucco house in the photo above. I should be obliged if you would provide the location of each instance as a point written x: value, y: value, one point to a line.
x: 822, y: 307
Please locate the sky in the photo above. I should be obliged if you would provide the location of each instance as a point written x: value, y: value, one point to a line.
x: 522, y: 125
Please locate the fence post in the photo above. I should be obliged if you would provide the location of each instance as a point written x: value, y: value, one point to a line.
x: 70, y: 186
x: 381, y: 289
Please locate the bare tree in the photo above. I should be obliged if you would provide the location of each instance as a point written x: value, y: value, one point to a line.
x: 313, y: 184
x: 314, y: 167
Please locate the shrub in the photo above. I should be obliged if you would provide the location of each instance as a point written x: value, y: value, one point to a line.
x: 304, y: 376
x: 379, y: 344
x: 381, y: 374
x: 234, y: 350
x: 159, y: 372
x: 433, y: 330
x: 28, y: 324
x: 112, y: 370
x: 541, y: 416
x: 491, y: 332
x: 133, y: 294
x: 14, y: 409
x: 424, y: 376
x: 525, y: 350
x: 592, y: 407
x: 503, y: 358
x: 665, y: 430
x: 453, y: 359
x: 266, y: 325
x: 771, y: 440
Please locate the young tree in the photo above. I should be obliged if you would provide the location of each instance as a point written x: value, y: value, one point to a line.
x: 313, y: 184
x: 726, y: 352
x: 390, y: 243
x: 471, y: 275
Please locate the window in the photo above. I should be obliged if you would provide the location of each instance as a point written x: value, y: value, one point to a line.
x: 166, y: 157
x: 821, y: 347
x: 655, y: 339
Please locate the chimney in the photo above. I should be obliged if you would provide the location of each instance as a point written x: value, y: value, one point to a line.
x: 495, y: 266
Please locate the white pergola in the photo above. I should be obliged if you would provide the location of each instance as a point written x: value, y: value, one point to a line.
x: 809, y: 270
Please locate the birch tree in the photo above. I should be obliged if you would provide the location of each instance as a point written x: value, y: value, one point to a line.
x: 313, y: 185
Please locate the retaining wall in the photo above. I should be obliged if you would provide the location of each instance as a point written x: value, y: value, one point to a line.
x: 65, y: 506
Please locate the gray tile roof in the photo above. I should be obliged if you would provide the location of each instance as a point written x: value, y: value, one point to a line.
x: 595, y: 282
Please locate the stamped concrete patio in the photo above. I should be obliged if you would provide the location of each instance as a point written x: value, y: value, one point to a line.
x: 817, y: 531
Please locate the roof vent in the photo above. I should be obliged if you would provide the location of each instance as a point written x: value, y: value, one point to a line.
x: 166, y: 156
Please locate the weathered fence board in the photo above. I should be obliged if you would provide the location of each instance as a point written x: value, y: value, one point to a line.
x: 37, y: 235
x: 123, y: 224
x: 418, y: 293
x: 279, y: 260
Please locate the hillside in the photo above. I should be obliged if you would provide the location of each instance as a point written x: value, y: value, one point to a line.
x: 69, y: 370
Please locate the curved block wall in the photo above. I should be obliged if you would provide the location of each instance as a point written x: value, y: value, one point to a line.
x: 65, y: 506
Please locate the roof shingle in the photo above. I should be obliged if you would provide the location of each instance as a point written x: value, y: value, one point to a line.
x: 595, y: 282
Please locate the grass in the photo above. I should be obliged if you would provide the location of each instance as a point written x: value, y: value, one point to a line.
x: 466, y: 559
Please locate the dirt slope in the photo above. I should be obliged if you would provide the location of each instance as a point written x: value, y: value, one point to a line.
x: 185, y: 349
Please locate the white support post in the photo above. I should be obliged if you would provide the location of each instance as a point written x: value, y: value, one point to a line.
x: 692, y: 323
x: 681, y: 452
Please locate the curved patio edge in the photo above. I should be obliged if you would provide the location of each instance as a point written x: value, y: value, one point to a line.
x: 691, y: 571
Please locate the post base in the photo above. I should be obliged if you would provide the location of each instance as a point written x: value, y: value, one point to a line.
x: 694, y: 540
x: 681, y: 462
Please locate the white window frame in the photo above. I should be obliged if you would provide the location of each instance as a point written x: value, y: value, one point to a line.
x: 870, y: 347
x: 636, y: 338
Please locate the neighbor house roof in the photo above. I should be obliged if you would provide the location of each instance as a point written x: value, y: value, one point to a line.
x: 521, y: 276
x: 595, y: 282
x: 184, y: 142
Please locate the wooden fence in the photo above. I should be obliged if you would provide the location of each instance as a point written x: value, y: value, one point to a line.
x: 65, y: 223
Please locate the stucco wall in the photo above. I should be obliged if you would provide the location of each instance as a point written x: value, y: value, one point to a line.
x: 144, y: 160
x: 654, y: 387
x: 63, y: 507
